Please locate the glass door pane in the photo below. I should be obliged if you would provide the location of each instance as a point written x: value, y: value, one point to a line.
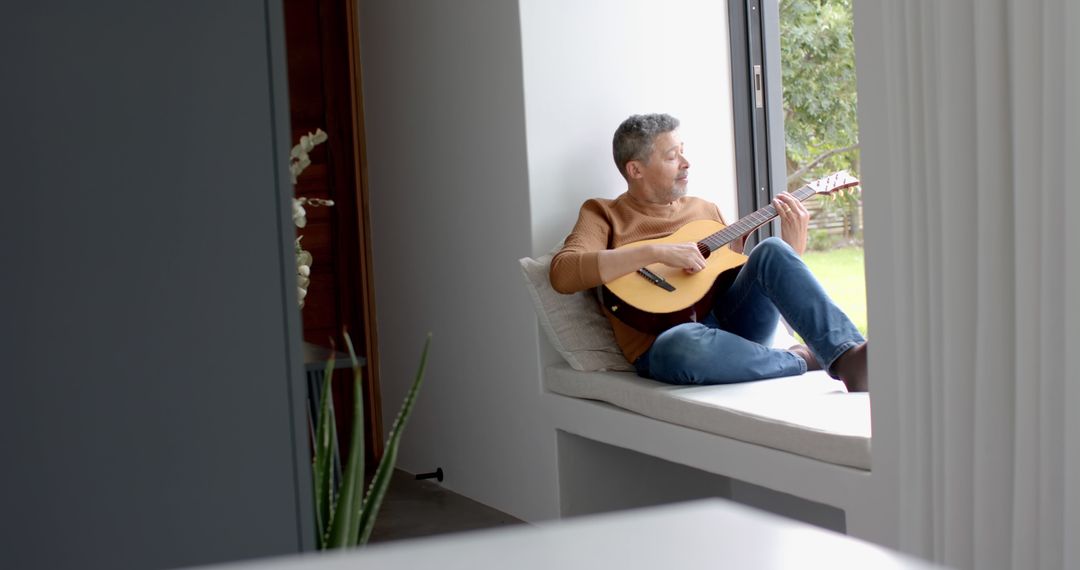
x: 817, y: 53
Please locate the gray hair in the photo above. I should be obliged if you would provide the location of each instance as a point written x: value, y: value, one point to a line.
x: 634, y: 138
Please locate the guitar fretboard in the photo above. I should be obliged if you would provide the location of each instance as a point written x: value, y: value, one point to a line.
x: 750, y: 222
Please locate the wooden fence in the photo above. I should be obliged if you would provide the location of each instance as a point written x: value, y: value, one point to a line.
x: 834, y: 221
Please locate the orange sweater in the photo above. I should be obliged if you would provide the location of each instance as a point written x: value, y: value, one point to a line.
x: 607, y: 224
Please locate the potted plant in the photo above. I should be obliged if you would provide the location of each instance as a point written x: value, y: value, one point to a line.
x: 344, y: 513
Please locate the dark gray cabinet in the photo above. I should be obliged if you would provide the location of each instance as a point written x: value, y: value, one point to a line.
x: 152, y: 407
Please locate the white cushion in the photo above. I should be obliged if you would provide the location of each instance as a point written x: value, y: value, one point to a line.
x: 810, y: 415
x: 573, y: 324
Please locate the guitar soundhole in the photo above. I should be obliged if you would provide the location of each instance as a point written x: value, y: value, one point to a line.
x: 704, y: 249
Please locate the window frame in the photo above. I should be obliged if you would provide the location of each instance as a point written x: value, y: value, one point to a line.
x: 760, y: 168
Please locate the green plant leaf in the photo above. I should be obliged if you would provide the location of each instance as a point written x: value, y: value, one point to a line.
x: 385, y: 469
x: 350, y: 499
x: 322, y: 465
x: 358, y: 436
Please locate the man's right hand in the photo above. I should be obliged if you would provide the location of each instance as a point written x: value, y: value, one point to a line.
x: 685, y: 256
x: 614, y: 263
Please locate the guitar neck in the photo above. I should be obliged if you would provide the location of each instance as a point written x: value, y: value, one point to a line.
x: 750, y: 222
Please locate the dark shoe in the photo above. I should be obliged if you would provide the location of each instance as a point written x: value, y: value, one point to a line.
x: 851, y: 369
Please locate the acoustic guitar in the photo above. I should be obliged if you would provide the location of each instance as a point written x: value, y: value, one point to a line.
x: 657, y: 297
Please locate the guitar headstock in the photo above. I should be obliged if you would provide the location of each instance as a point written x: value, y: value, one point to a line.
x: 833, y: 182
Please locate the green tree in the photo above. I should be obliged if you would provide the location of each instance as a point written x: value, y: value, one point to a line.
x: 817, y: 53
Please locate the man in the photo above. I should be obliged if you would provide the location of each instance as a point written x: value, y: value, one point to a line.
x: 731, y: 343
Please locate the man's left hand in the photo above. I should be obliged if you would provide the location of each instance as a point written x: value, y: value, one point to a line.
x: 739, y: 245
x: 794, y: 220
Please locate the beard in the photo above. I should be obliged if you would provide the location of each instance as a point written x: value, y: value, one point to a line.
x: 677, y: 190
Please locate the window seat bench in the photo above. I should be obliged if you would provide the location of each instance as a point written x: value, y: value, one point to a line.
x: 810, y: 415
x: 801, y: 436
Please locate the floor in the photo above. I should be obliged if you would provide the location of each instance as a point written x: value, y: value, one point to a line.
x: 413, y: 509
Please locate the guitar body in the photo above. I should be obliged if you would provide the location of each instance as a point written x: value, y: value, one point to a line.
x: 649, y: 308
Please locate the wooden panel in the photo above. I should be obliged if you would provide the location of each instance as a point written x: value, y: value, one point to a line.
x: 323, y: 87
x: 321, y: 311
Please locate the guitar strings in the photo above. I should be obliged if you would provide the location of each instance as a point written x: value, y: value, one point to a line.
x: 750, y: 222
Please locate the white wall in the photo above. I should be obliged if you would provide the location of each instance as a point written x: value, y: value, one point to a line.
x: 589, y: 65
x: 450, y: 217
x: 457, y: 196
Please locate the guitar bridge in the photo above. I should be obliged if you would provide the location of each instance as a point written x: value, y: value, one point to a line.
x: 656, y: 279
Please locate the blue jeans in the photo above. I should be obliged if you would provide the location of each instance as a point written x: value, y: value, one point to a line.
x: 732, y: 343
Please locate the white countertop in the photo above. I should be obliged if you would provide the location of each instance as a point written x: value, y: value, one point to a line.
x: 711, y: 533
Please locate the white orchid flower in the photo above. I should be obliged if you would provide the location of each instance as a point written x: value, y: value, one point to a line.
x: 298, y: 161
x: 299, y: 215
x: 299, y: 154
x: 303, y: 258
x: 312, y: 139
x: 308, y: 142
x: 298, y: 166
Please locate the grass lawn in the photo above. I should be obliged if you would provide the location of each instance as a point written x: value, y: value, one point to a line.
x: 842, y: 274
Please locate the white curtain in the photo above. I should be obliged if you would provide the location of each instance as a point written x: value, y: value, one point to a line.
x: 969, y: 128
